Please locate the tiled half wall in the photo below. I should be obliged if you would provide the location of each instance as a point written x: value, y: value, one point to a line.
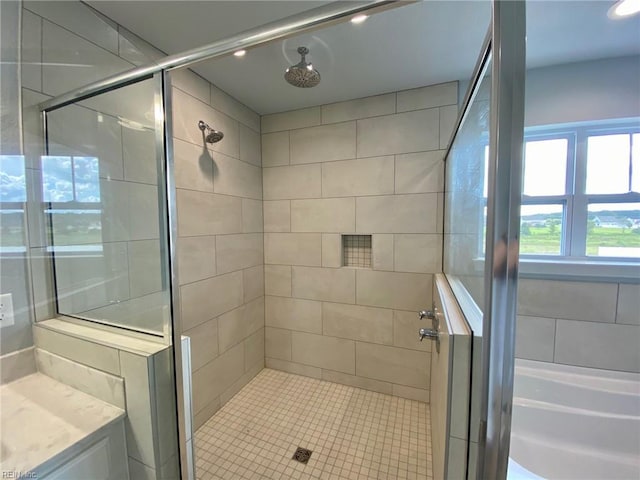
x: 371, y: 166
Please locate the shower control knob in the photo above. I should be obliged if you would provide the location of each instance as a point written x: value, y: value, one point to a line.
x: 426, y: 314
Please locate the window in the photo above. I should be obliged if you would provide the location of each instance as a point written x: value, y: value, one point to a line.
x: 13, y: 197
x: 581, y: 193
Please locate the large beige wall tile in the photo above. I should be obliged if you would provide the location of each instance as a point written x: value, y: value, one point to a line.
x: 418, y: 394
x: 571, y: 300
x: 535, y: 337
x: 234, y: 177
x: 323, y: 352
x: 401, y: 133
x: 275, y: 149
x: 139, y: 155
x: 277, y: 216
x: 358, y: 382
x: 293, y: 314
x: 277, y: 343
x: 204, y: 343
x: 628, y: 304
x: 448, y: 117
x: 421, y: 172
x: 589, y: 344
x: 254, y: 348
x: 145, y: 267
x: 143, y: 211
x: 323, y: 143
x: 31, y: 51
x: 196, y: 258
x: 299, y: 181
x: 359, y: 108
x: 293, y: 248
x: 355, y: 322
x: 201, y: 417
x: 405, y: 330
x: 382, y: 251
x: 417, y: 253
x: 216, y: 376
x: 252, y: 220
x: 188, y: 111
x: 277, y: 280
x: 239, y: 323
x: 292, y: 367
x: 415, y: 213
x: 208, y: 214
x: 428, y: 97
x: 253, y: 282
x: 392, y: 364
x: 206, y: 299
x: 324, y: 215
x: 305, y: 117
x: 250, y: 146
x: 331, y: 250
x: 191, y: 83
x: 232, y: 107
x: 81, y: 351
x: 368, y: 176
x: 235, y: 252
x: 401, y: 291
x: 328, y: 284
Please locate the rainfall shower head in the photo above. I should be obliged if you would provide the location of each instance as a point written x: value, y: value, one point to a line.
x: 302, y: 75
x: 214, y: 136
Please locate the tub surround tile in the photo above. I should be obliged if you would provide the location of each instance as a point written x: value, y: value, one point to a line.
x: 411, y: 393
x: 628, y: 304
x: 191, y: 83
x: 224, y: 214
x: 400, y: 291
x: 196, y: 258
x: 405, y: 331
x: 332, y: 250
x: 382, y: 252
x: 235, y: 252
x: 535, y: 337
x: 250, y: 147
x: 204, y: 343
x: 226, y: 369
x: 253, y: 282
x: 277, y: 343
x: 252, y: 217
x: 448, y: 117
x: 414, y: 213
x: 296, y: 368
x: 588, y: 344
x: 235, y: 109
x: 358, y: 382
x: 235, y: 177
x: 193, y: 166
x: 417, y: 253
x: 254, y: 348
x: 240, y: 323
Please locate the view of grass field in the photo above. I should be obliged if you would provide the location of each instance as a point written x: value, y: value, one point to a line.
x: 539, y: 240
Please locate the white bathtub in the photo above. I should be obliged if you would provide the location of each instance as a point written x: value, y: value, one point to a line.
x: 574, y: 423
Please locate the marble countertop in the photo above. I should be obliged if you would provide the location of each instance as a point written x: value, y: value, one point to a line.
x: 42, y: 418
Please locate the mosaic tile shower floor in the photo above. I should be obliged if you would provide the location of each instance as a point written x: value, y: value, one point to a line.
x: 353, y: 433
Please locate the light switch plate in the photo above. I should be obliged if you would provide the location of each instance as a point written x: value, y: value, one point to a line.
x: 6, y: 310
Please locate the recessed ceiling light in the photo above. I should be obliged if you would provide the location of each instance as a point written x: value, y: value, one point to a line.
x: 359, y: 18
x: 240, y: 53
x: 624, y: 8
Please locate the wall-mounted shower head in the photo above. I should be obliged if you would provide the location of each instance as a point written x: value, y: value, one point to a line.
x: 213, y: 135
x: 302, y: 75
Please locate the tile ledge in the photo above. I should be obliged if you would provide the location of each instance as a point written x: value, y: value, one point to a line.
x: 104, y: 335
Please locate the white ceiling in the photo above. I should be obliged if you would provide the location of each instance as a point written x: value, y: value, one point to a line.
x: 414, y: 45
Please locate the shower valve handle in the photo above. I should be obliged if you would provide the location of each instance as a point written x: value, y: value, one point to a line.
x: 427, y: 332
x: 426, y: 314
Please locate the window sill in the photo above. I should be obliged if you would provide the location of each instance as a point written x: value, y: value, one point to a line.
x: 576, y: 270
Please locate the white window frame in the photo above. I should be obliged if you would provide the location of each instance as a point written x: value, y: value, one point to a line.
x: 573, y: 263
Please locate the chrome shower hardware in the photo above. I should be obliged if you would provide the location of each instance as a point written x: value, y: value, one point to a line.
x: 431, y: 333
x: 213, y: 136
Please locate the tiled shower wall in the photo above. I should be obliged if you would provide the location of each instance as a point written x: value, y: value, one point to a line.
x: 368, y: 166
x: 220, y: 246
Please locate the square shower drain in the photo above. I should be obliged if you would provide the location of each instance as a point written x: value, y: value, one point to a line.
x: 302, y: 455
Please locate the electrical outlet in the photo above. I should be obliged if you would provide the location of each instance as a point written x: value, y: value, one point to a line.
x: 6, y: 310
